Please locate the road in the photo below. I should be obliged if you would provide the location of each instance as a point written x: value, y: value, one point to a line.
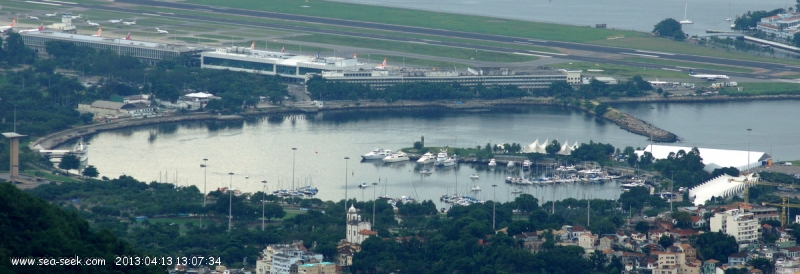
x: 596, y: 49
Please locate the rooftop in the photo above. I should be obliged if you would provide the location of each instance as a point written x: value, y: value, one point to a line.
x: 106, y: 40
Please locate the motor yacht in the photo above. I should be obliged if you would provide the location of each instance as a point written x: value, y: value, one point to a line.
x: 426, y: 171
x: 526, y: 165
x: 376, y: 154
x: 426, y: 158
x: 398, y: 156
x: 363, y: 185
x: 474, y: 176
x: 510, y: 164
x: 450, y: 161
x: 492, y: 163
x: 441, y: 156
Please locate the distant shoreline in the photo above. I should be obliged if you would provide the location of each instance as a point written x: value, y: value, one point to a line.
x: 626, y: 122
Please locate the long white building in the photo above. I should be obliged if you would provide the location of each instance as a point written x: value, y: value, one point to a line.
x: 713, y: 158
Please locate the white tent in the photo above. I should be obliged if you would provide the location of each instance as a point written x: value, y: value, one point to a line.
x: 566, y: 149
x: 721, y: 186
x: 713, y: 158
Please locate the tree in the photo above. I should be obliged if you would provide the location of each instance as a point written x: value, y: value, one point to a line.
x: 732, y: 171
x: 553, y: 147
x: 669, y: 28
x: 683, y: 218
x: 716, y: 245
x: 665, y: 241
x: 90, y: 171
x: 273, y: 211
x: 764, y: 264
x: 600, y: 109
x: 526, y: 203
x: 69, y: 161
x: 642, y: 227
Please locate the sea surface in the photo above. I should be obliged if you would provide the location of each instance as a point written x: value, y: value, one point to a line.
x: 261, y: 149
x: 639, y: 15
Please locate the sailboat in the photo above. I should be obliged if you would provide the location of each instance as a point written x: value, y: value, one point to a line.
x: 685, y: 21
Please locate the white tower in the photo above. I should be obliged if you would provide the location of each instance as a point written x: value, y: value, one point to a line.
x: 355, y: 227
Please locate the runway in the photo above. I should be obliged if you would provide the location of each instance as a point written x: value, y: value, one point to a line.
x: 446, y: 33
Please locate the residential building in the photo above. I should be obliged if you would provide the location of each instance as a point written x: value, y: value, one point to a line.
x: 279, y: 258
x: 606, y: 242
x: 317, y: 268
x: 763, y: 213
x: 587, y: 241
x: 787, y: 267
x: 710, y: 266
x: 792, y: 252
x: 740, y: 258
x: 742, y: 226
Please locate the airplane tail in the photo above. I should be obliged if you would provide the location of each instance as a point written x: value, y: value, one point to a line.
x: 355, y: 55
x: 384, y: 62
x: 318, y: 55
x: 41, y: 27
x: 13, y: 22
x: 691, y: 72
x: 128, y: 37
x: 253, y: 45
x: 99, y: 32
x: 283, y: 49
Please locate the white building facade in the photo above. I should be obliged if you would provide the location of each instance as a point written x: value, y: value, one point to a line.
x: 742, y: 226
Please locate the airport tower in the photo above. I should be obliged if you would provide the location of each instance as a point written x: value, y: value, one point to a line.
x: 14, y: 170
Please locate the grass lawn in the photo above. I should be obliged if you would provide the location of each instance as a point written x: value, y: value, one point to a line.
x: 419, y: 18
x: 687, y: 64
x: 621, y: 71
x: 48, y: 175
x: 763, y: 89
x: 439, y: 51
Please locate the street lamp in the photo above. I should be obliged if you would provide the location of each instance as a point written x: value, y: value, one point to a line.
x: 294, y: 152
x: 748, y: 150
x: 245, y: 181
x: 653, y: 121
x: 205, y: 176
x: 230, y: 201
x: 494, y: 205
x: 374, y: 186
x: 345, y: 183
x: 263, y: 200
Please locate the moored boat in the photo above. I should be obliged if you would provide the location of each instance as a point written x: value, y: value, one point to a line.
x: 426, y: 158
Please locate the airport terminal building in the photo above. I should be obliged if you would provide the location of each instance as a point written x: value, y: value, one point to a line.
x: 148, y: 52
x: 293, y: 68
x: 538, y: 79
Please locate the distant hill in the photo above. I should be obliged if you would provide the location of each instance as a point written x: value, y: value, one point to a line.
x: 31, y: 227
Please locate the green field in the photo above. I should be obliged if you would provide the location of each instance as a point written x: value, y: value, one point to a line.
x: 751, y: 89
x: 687, y: 64
x: 667, y: 45
x: 415, y: 48
x: 617, y: 70
x: 49, y: 176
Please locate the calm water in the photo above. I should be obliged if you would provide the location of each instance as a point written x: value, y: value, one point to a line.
x: 261, y: 149
x: 639, y: 15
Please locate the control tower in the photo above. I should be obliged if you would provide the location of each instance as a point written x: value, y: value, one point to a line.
x: 14, y: 170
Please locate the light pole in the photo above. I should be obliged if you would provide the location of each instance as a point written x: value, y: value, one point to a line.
x: 230, y: 201
x: 374, y: 186
x: 263, y: 200
x: 294, y: 156
x: 494, y: 205
x: 245, y: 181
x: 653, y: 121
x: 205, y: 176
x: 748, y: 150
x: 345, y: 184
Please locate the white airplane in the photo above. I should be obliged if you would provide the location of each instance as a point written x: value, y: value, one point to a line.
x: 382, y: 66
x: 76, y: 16
x: 99, y: 32
x: 129, y: 23
x: 31, y: 17
x: 41, y: 28
x: 5, y: 29
x: 51, y: 14
x: 710, y: 77
x: 128, y: 37
x: 92, y: 23
x: 161, y: 31
x: 112, y: 21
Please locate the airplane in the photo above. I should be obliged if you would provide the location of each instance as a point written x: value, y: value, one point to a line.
x: 113, y: 21
x: 99, y: 32
x: 76, y: 16
x: 710, y: 77
x: 283, y: 49
x: 31, y: 17
x: 4, y: 29
x: 161, y: 31
x: 51, y: 14
x: 128, y: 37
x: 41, y: 28
x: 130, y: 23
x: 253, y: 45
x: 382, y: 66
x: 92, y: 23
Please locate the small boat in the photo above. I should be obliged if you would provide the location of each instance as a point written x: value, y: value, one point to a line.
x: 441, y: 156
x: 510, y: 164
x: 426, y: 171
x: 376, y: 154
x: 516, y: 191
x: 426, y: 158
x: 363, y: 185
x: 526, y: 164
x: 492, y: 163
x: 476, y: 188
x: 450, y: 161
x: 398, y: 156
x: 474, y: 176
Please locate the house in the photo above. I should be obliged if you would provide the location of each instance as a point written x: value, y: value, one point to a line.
x: 530, y: 241
x: 792, y: 252
x: 740, y: 258
x: 698, y: 222
x: 691, y: 252
x: 787, y: 267
x: 606, y: 242
x: 587, y: 241
x: 317, y: 268
x: 641, y: 237
x: 655, y: 234
x: 710, y: 266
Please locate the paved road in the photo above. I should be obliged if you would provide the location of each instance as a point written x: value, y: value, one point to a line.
x: 439, y: 32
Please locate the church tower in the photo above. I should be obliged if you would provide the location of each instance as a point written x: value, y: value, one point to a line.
x: 357, y: 230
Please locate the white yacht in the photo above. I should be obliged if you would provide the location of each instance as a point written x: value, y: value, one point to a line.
x: 81, y: 151
x: 474, y: 176
x: 492, y: 163
x: 526, y: 164
x: 476, y: 188
x: 510, y: 164
x: 450, y: 161
x: 376, y: 154
x: 441, y: 157
x: 426, y: 158
x: 516, y: 191
x: 426, y: 171
x: 363, y: 185
x: 398, y: 156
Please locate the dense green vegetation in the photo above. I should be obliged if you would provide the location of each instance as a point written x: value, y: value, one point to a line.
x: 751, y: 18
x: 31, y: 227
x: 670, y: 28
